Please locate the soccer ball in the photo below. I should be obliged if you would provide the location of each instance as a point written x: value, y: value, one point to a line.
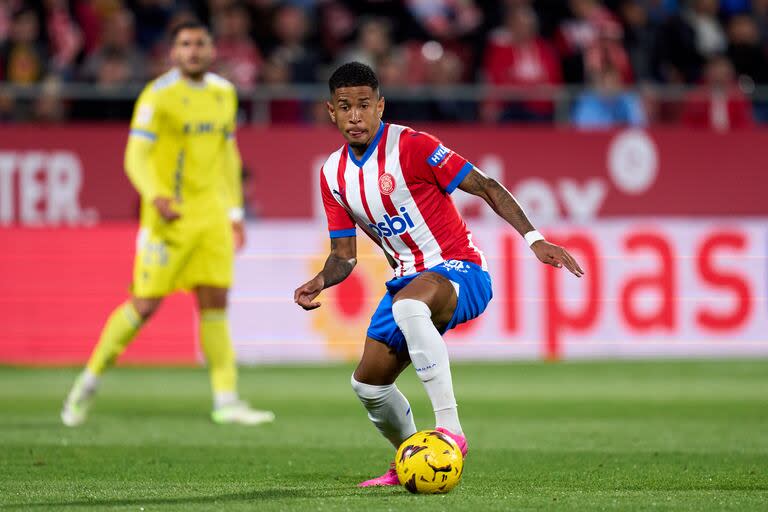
x: 429, y: 462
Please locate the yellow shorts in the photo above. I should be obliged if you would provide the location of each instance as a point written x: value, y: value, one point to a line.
x: 182, y: 257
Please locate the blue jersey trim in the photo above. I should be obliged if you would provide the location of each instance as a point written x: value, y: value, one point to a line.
x: 143, y: 133
x: 456, y: 181
x: 342, y: 233
x: 368, y: 152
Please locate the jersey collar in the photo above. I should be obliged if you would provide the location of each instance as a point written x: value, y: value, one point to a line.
x: 368, y: 152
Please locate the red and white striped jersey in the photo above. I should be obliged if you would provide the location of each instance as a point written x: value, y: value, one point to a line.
x: 399, y: 192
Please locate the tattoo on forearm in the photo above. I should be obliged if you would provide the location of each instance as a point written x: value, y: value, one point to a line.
x: 505, y: 205
x: 336, y: 269
x: 499, y: 198
x: 340, y: 262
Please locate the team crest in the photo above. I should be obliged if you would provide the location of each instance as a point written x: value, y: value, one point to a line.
x: 386, y: 184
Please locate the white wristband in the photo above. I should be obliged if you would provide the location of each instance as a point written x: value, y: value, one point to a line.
x: 533, y: 236
x: 236, y: 214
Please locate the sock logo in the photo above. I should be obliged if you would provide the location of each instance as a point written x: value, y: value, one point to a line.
x: 392, y: 226
x: 428, y: 367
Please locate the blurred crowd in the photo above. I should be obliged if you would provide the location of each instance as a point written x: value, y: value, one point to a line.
x: 618, y: 55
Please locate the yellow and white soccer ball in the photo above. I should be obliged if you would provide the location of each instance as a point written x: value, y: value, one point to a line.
x: 429, y: 462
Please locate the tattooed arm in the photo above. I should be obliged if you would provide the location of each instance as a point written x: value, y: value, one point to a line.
x: 338, y: 266
x: 506, y: 206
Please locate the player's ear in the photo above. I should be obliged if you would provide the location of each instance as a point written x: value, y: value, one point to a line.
x: 331, y: 111
x: 380, y: 106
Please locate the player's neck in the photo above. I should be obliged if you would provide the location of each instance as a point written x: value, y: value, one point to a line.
x: 196, y: 79
x: 359, y: 149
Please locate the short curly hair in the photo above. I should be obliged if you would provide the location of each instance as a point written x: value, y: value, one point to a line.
x: 353, y: 74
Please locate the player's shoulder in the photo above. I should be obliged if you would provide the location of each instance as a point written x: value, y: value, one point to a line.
x: 218, y: 82
x: 415, y: 141
x: 164, y: 82
x: 160, y: 87
x: 331, y: 164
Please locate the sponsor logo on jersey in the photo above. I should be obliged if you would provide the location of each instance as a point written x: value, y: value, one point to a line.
x: 393, y: 226
x: 438, y: 155
x: 386, y: 184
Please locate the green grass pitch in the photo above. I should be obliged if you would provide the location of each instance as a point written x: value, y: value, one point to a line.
x: 566, y: 436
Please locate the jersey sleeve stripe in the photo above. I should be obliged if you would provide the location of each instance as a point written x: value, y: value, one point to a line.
x: 456, y: 181
x: 143, y: 133
x: 342, y: 233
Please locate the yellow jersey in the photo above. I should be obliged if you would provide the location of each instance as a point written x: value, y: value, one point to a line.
x: 182, y: 145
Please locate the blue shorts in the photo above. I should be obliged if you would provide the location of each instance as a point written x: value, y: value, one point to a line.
x: 474, y: 294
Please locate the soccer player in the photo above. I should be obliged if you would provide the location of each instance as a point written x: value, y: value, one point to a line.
x: 395, y: 184
x: 183, y: 160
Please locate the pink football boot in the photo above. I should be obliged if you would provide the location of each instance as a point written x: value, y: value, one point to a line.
x: 460, y: 440
x: 388, y: 478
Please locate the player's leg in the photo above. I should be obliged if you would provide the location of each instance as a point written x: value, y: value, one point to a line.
x: 155, y: 268
x: 388, y: 409
x: 220, y: 355
x: 374, y: 384
x: 423, y: 310
x: 121, y: 327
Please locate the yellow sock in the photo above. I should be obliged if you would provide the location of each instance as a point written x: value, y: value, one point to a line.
x: 217, y: 347
x: 121, y: 327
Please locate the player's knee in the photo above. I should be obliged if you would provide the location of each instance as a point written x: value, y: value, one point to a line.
x: 146, y: 307
x: 403, y: 309
x: 369, y: 394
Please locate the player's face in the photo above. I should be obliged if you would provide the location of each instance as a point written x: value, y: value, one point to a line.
x: 193, y: 52
x: 356, y: 111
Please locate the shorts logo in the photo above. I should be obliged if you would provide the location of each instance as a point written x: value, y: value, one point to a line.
x: 386, y: 184
x: 438, y: 155
x: 456, y: 265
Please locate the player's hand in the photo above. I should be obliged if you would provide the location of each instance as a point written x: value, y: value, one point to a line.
x: 164, y: 206
x: 306, y: 293
x: 556, y: 256
x: 238, y: 232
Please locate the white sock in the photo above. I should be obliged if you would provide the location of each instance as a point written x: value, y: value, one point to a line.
x: 429, y: 356
x: 89, y: 380
x: 224, y: 398
x: 388, y: 409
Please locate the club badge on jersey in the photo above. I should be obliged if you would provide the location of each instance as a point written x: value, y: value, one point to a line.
x: 386, y: 184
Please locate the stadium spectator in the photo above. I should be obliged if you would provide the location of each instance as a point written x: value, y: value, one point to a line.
x: 745, y: 51
x: 760, y: 15
x: 277, y: 73
x: 606, y: 105
x: 113, y: 73
x: 447, y: 70
x: 393, y: 74
x: 373, y: 42
x: 718, y: 104
x: 7, y: 107
x: 291, y: 30
x: 582, y: 31
x: 687, y: 40
x: 639, y: 38
x: 152, y: 21
x: 6, y: 12
x: 239, y: 59
x: 23, y: 56
x: 517, y: 56
x: 48, y: 107
x: 446, y: 20
x: 117, y: 36
x: 607, y: 51
x: 65, y: 37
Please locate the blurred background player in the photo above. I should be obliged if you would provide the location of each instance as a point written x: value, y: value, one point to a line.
x: 395, y: 183
x: 183, y: 160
